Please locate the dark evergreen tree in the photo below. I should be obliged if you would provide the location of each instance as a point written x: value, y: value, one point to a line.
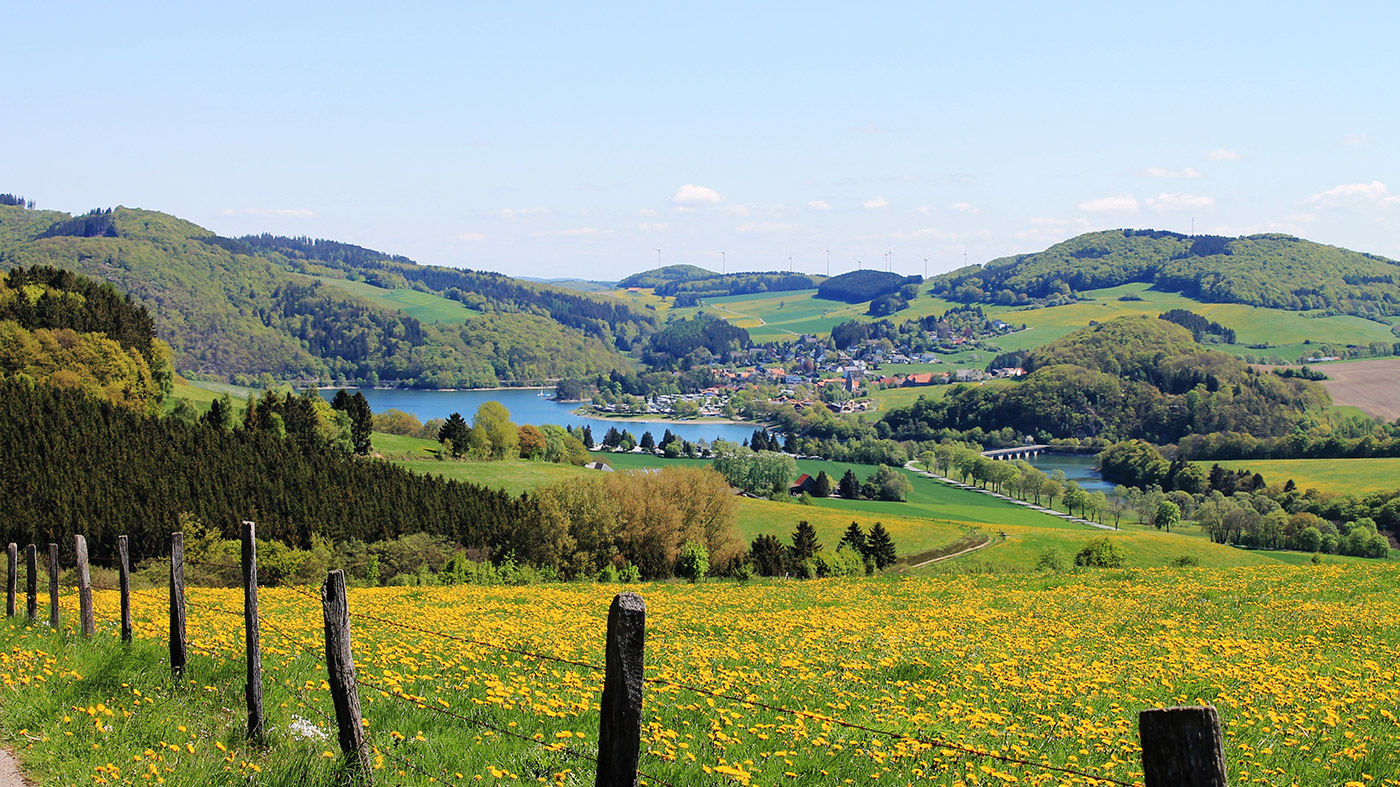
x: 648, y: 443
x: 768, y: 556
x: 361, y: 423
x: 790, y: 443
x: 612, y: 438
x: 804, y: 543
x: 849, y: 486
x: 881, y: 547
x: 854, y: 538
x: 821, y: 486
x: 220, y: 413
x: 454, y: 434
x: 587, y: 437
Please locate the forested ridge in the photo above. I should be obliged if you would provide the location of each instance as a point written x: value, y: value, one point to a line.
x: 1274, y: 271
x: 230, y: 310
x: 689, y: 284
x: 1133, y: 377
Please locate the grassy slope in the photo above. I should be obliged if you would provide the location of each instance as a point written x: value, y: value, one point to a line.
x: 801, y: 312
x: 422, y: 306
x: 1344, y: 476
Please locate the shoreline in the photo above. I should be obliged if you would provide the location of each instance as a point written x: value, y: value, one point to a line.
x: 649, y: 420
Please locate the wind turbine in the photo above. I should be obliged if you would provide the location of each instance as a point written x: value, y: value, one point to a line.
x: 658, y: 258
x: 828, y: 259
x: 723, y: 262
x: 860, y: 266
x: 789, y: 259
x: 926, y: 267
x: 889, y: 258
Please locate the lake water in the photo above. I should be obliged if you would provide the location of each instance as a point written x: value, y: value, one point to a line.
x: 526, y: 406
x: 1077, y: 467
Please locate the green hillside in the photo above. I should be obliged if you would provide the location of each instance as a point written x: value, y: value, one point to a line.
x: 1276, y: 271
x: 232, y: 311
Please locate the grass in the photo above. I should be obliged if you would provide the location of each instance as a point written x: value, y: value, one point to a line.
x: 1344, y: 476
x: 1298, y: 660
x: 201, y: 395
x: 421, y: 306
x: 799, y: 312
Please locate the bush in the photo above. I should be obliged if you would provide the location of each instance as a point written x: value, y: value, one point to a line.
x: 1051, y: 559
x: 1101, y: 553
x: 694, y: 561
x: 806, y: 569
x: 1185, y: 561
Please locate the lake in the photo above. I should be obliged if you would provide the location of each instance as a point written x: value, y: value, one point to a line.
x: 1077, y: 467
x: 526, y: 406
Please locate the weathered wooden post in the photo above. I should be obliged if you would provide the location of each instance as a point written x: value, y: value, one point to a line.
x: 31, y: 582
x: 620, y: 719
x: 53, y: 586
x: 13, y: 585
x: 124, y: 584
x: 253, y: 688
x: 178, y: 655
x: 84, y: 586
x: 340, y: 663
x: 1182, y: 747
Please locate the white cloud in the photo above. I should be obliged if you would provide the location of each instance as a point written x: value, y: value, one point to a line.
x: 521, y: 213
x: 1190, y: 173
x: 690, y: 194
x: 471, y: 236
x: 963, y: 207
x: 1123, y: 203
x: 1167, y: 203
x: 819, y: 204
x: 1356, y: 139
x: 876, y: 204
x: 572, y: 232
x: 281, y: 213
x: 762, y: 226
x: 1223, y: 154
x: 653, y: 227
x: 1354, y: 195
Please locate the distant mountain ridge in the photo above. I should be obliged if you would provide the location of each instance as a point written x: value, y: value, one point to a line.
x: 1274, y: 271
x: 241, y: 308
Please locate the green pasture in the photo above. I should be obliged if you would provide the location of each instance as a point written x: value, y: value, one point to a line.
x: 1343, y: 476
x: 422, y: 306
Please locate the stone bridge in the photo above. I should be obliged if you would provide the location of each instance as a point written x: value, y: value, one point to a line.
x: 1019, y: 452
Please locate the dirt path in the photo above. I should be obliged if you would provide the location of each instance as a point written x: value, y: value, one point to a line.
x: 982, y: 545
x: 10, y: 774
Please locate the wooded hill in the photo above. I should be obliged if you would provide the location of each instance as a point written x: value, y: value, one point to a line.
x: 1274, y: 271
x: 1133, y: 377
x: 689, y: 284
x: 237, y: 309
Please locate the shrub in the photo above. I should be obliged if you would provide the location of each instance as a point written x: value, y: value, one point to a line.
x: 1101, y: 553
x: 694, y: 561
x: 1185, y: 561
x: 1051, y: 559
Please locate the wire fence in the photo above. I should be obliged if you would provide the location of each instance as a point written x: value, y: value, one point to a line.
x: 293, y: 647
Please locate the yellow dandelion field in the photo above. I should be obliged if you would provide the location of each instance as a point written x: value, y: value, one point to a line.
x: 1049, y: 670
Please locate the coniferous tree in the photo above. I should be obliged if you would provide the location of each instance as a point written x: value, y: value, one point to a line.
x: 849, y: 486
x: 822, y: 485
x: 768, y: 555
x: 361, y: 422
x: 648, y: 442
x: 804, y: 542
x: 587, y: 437
x: 881, y: 547
x: 455, y: 433
x: 855, y: 539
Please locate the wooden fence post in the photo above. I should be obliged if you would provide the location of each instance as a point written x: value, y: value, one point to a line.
x: 253, y: 689
x: 620, y: 719
x: 340, y: 663
x: 178, y: 655
x: 13, y: 586
x: 31, y: 583
x: 84, y: 586
x: 124, y: 584
x: 1182, y: 747
x: 53, y: 586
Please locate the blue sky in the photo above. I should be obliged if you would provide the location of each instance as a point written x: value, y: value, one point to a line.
x: 559, y: 139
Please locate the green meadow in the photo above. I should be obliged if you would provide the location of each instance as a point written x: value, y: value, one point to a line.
x: 1343, y: 476
x: 421, y: 306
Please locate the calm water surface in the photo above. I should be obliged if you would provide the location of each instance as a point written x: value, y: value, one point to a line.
x: 526, y: 406
x: 1077, y: 467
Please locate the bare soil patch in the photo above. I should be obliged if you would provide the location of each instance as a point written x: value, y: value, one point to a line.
x: 1373, y: 386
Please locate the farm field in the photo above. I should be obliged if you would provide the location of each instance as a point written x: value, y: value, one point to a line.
x: 1048, y: 668
x: 1372, y: 386
x: 421, y: 306
x: 800, y: 312
x: 1343, y: 476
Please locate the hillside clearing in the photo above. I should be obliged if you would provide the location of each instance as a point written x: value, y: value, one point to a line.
x: 1373, y: 386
